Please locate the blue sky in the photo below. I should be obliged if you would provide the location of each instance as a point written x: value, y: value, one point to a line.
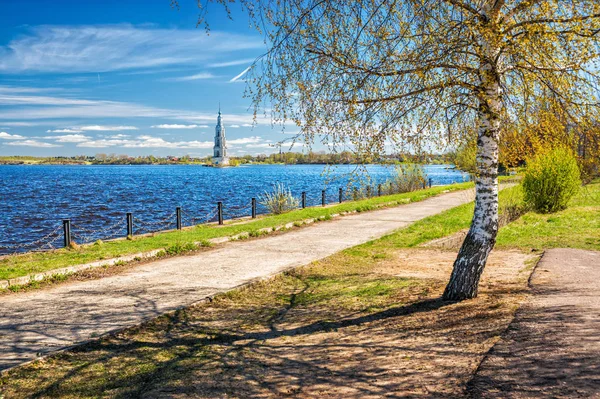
x: 126, y: 77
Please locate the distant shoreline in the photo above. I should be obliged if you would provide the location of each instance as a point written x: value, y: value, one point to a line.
x: 285, y: 158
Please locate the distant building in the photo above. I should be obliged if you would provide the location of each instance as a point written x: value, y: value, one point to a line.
x: 220, y: 157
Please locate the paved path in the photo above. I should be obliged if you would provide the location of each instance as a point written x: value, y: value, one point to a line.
x: 42, y: 321
x: 552, y: 348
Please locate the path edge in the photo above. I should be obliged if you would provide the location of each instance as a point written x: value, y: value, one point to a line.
x: 468, y: 393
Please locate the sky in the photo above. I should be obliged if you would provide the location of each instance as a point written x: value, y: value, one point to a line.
x: 133, y: 77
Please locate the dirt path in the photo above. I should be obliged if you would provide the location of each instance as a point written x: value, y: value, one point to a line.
x: 42, y: 321
x: 552, y: 348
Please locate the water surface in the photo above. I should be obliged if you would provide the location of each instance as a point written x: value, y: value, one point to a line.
x: 35, y: 198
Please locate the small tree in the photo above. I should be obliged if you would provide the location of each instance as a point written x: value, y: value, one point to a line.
x: 366, y: 72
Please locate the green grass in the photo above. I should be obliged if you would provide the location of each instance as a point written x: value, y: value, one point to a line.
x: 21, y: 265
x: 162, y: 350
x: 578, y: 226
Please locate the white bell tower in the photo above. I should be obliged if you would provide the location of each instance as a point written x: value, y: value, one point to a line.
x: 220, y: 157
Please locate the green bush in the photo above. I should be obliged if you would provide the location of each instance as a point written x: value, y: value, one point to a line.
x: 550, y: 180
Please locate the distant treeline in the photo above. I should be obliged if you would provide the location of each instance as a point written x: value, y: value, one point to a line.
x: 288, y: 158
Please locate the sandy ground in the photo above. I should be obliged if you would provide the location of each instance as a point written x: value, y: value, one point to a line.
x: 425, y: 348
x: 412, y: 345
x: 552, y: 349
x: 39, y: 322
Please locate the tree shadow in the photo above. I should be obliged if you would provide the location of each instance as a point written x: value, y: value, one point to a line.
x: 365, y: 355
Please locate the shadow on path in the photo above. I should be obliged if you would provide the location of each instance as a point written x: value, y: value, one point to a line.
x: 552, y: 348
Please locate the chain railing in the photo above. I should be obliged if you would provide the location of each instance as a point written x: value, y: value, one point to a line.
x: 83, y: 235
x: 76, y: 233
x: 46, y: 242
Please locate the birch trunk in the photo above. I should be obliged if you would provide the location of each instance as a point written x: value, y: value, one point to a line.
x: 481, y: 237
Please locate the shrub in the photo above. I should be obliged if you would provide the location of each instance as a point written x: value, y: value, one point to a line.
x: 408, y: 177
x: 279, y: 200
x: 551, y: 179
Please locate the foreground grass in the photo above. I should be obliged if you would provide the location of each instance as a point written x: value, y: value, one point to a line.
x: 356, y: 324
x: 21, y: 265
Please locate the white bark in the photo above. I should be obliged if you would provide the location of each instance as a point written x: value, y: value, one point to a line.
x: 481, y: 237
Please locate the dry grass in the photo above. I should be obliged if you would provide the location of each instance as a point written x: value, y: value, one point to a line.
x: 362, y: 323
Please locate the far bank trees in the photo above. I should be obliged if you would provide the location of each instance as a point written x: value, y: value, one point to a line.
x: 370, y: 72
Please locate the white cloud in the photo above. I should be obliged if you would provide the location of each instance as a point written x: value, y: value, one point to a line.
x: 234, y: 126
x: 263, y: 145
x: 166, y: 126
x: 146, y: 142
x: 102, y: 143
x: 26, y: 124
x: 29, y: 108
x: 64, y: 131
x: 98, y: 128
x: 33, y: 143
x: 119, y: 136
x: 247, y: 125
x: 6, y: 136
x: 41, y: 100
x: 231, y: 63
x: 237, y: 77
x: 245, y: 140
x: 70, y: 138
x: 198, y: 76
x: 100, y: 48
x: 18, y: 89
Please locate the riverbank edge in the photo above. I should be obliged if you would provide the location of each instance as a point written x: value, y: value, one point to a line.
x: 21, y: 281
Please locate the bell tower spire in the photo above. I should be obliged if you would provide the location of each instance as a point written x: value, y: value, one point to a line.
x: 220, y: 148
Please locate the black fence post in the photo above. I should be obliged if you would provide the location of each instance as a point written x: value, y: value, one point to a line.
x: 430, y: 182
x: 129, y: 224
x: 354, y: 193
x: 303, y: 199
x: 253, y: 208
x: 368, y: 191
x: 379, y: 190
x: 220, y: 211
x: 67, y: 232
x: 323, y: 197
x: 178, y: 215
x: 341, y: 193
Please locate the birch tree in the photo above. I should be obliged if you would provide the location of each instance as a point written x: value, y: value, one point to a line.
x: 369, y: 72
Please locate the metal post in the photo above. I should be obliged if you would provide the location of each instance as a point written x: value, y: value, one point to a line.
x: 129, y: 224
x: 178, y: 215
x: 354, y: 193
x: 368, y: 191
x: 253, y: 208
x: 430, y: 182
x: 341, y: 195
x: 67, y: 232
x: 220, y: 211
x: 323, y: 197
x: 379, y: 190
x: 303, y: 199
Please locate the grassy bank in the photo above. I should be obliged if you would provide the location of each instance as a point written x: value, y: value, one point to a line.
x: 578, y: 226
x: 21, y: 265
